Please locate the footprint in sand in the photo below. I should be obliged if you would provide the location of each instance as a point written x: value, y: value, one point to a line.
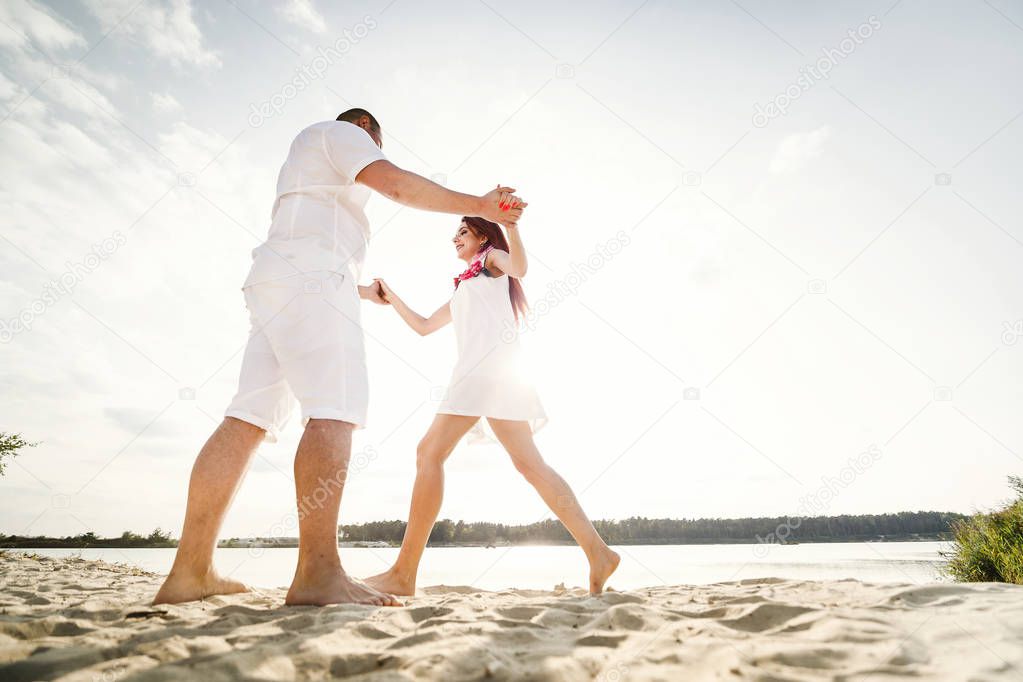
x: 765, y: 617
x: 296, y: 623
x: 609, y: 641
x: 938, y: 595
x: 622, y: 617
x: 413, y: 640
x: 421, y: 613
x: 358, y: 664
x: 70, y: 628
x: 520, y: 612
x: 615, y: 598
x: 554, y: 617
x: 816, y: 657
x: 372, y: 632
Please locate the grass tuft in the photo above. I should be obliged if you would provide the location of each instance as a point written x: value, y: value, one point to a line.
x: 988, y: 547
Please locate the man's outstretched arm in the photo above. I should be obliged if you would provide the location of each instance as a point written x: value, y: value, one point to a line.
x: 415, y: 191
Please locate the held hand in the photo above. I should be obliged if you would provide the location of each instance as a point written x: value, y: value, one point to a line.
x: 513, y: 203
x: 373, y: 293
x: 500, y: 205
x: 386, y: 295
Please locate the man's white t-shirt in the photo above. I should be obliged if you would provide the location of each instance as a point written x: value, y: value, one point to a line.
x: 317, y: 221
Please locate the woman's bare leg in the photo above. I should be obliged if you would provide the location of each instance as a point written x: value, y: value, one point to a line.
x: 517, y: 439
x: 427, y: 494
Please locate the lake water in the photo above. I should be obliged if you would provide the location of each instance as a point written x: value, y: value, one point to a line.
x: 544, y: 567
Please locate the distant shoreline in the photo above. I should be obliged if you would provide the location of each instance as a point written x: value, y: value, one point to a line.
x: 246, y: 543
x: 920, y: 526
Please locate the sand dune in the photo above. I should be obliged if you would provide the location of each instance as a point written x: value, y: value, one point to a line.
x: 71, y: 619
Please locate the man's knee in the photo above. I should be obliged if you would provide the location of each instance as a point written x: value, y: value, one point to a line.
x: 327, y: 437
x: 242, y: 428
x: 330, y: 428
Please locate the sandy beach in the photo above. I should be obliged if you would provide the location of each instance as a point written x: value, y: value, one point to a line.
x: 71, y: 619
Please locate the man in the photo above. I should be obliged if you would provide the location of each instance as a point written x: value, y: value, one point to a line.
x: 307, y: 343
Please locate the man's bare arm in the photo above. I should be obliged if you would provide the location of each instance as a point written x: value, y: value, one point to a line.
x: 415, y: 191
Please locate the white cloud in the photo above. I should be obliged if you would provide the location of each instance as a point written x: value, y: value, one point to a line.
x: 79, y: 146
x: 108, y: 81
x: 794, y: 151
x: 167, y: 28
x: 76, y: 95
x: 302, y: 13
x: 164, y: 102
x: 188, y: 147
x: 29, y: 21
x: 7, y: 88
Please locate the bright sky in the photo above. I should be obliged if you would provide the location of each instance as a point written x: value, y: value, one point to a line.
x: 769, y: 294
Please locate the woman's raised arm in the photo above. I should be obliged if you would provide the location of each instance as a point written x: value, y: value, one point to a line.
x: 514, y: 262
x: 421, y: 325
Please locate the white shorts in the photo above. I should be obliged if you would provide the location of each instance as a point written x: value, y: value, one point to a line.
x: 306, y: 343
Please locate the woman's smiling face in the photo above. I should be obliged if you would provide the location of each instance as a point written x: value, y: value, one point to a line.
x: 466, y: 243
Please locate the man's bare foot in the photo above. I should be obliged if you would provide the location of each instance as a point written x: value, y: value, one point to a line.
x: 393, y: 582
x: 178, y: 587
x: 335, y: 588
x: 602, y: 568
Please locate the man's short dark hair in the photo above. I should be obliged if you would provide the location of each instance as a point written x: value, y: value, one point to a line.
x: 353, y: 115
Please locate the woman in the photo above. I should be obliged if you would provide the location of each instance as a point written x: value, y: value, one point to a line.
x: 484, y: 308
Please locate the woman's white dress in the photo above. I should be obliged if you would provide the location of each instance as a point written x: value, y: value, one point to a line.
x: 488, y: 379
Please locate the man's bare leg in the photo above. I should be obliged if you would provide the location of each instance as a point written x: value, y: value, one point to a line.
x: 321, y: 466
x: 216, y: 475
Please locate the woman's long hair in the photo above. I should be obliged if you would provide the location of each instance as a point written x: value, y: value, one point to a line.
x: 495, y: 237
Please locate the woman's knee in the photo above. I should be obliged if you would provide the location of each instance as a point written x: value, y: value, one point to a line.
x: 428, y: 455
x: 530, y: 467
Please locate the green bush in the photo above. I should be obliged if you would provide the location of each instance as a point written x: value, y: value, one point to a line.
x: 10, y: 446
x: 989, y: 547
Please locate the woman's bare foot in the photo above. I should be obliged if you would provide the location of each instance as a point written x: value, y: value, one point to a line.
x: 335, y: 588
x: 393, y: 582
x: 601, y: 569
x: 178, y: 587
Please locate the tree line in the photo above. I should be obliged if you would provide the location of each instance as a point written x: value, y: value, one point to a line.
x: 633, y: 531
x: 641, y: 530
x: 158, y: 538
